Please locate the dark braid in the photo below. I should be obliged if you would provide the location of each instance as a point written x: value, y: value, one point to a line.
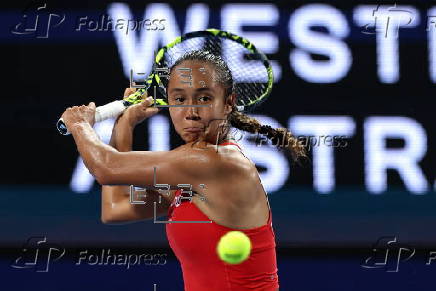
x: 278, y: 136
x: 239, y: 120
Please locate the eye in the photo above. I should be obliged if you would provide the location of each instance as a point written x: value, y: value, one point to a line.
x: 205, y: 98
x: 179, y: 97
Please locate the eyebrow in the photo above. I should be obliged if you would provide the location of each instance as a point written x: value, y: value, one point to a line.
x: 203, y: 89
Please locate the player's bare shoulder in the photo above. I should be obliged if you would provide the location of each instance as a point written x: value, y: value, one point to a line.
x: 231, y: 177
x: 215, y: 159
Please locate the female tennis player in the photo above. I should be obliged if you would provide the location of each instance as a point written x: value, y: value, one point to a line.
x: 227, y: 193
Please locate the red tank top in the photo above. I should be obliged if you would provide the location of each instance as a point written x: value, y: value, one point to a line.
x: 194, y: 244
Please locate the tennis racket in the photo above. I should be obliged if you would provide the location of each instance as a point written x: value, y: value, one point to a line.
x: 251, y: 71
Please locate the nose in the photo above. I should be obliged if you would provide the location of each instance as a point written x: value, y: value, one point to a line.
x: 192, y: 112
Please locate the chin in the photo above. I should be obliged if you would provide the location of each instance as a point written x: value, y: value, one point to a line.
x: 190, y: 138
x: 193, y: 138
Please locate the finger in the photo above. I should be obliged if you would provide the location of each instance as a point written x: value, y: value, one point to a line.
x: 156, y: 110
x: 129, y: 91
x: 153, y: 111
x: 150, y: 99
x: 91, y: 105
x: 147, y: 102
x: 144, y: 95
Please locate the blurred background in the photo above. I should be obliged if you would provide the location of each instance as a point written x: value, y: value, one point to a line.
x: 356, y: 78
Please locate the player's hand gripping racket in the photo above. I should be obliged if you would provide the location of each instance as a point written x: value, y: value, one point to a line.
x: 251, y: 71
x: 115, y: 108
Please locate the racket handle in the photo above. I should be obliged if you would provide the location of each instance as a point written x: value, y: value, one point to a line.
x: 110, y: 110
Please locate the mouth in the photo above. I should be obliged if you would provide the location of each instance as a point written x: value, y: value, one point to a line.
x: 193, y: 129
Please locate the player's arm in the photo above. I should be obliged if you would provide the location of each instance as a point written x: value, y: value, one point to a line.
x: 117, y: 208
x: 111, y: 167
x: 116, y: 202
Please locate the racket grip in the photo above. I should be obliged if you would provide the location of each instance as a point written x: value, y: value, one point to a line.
x: 110, y: 110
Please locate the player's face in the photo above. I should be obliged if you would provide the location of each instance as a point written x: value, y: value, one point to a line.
x: 192, y: 83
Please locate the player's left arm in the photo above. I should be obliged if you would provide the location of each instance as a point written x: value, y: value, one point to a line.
x: 110, y: 167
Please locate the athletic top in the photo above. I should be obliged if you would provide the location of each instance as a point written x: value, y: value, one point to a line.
x: 194, y: 244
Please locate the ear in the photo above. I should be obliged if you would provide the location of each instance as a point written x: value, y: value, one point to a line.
x: 230, y: 101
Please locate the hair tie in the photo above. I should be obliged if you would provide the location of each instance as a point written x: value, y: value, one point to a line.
x: 264, y: 129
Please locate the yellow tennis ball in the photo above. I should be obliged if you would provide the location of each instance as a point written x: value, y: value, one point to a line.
x: 234, y: 247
